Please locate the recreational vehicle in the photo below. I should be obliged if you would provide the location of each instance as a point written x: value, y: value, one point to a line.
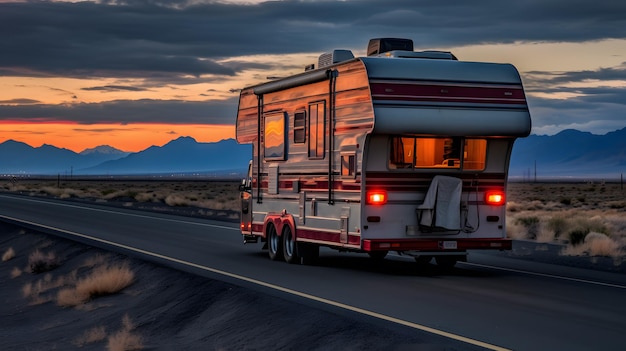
x: 398, y: 151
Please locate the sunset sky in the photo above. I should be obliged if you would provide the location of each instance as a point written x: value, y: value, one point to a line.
x: 131, y: 74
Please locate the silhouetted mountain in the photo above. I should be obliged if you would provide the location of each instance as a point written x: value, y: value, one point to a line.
x: 183, y: 155
x: 104, y: 150
x: 570, y: 153
x: 17, y: 157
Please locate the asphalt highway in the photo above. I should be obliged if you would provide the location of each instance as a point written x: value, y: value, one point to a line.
x: 491, y: 302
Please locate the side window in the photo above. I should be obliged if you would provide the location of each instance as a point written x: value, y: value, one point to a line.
x: 274, y: 136
x: 299, y: 127
x: 348, y: 165
x: 317, y: 117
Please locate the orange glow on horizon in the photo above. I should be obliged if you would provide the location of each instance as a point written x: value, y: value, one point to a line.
x: 130, y: 138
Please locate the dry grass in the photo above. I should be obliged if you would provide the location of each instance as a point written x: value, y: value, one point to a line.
x: 209, y: 195
x: 40, y: 262
x: 104, y: 280
x: 589, y: 218
x: 125, y: 339
x: 38, y: 291
x: 9, y: 254
x: 91, y: 336
x: 16, y: 272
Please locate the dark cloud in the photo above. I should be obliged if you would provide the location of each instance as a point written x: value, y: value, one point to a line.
x: 19, y: 101
x: 128, y: 112
x: 158, y: 39
x: 114, y: 88
x: 556, y: 78
x: 170, y: 42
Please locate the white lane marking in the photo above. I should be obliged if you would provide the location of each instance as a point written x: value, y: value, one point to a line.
x: 119, y: 213
x: 532, y: 273
x: 547, y: 275
x: 276, y: 287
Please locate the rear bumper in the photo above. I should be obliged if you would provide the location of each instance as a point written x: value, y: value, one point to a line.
x: 434, y: 245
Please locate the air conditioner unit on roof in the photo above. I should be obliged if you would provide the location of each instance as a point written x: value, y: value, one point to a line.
x: 336, y: 56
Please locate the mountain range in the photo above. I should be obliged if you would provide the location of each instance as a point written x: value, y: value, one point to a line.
x: 570, y: 153
x: 182, y: 155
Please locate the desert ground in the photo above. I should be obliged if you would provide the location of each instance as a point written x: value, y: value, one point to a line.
x: 588, y: 218
x: 58, y: 294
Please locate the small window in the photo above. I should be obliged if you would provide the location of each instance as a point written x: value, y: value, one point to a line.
x: 348, y: 165
x: 475, y: 153
x: 299, y: 127
x: 317, y: 116
x: 274, y: 136
x: 452, y: 153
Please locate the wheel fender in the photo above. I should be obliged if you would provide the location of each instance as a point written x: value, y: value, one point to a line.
x: 280, y: 221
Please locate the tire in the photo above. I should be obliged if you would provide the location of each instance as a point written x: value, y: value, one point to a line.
x: 377, y: 255
x: 290, y: 248
x: 274, y: 243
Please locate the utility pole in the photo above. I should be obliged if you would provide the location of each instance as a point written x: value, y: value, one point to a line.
x: 535, y: 171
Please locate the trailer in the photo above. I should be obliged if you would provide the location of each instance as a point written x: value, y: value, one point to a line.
x: 399, y: 151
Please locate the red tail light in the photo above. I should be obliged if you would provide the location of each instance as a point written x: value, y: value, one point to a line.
x: 495, y: 198
x: 376, y: 197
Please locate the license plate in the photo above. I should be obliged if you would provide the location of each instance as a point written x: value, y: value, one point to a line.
x: 449, y: 245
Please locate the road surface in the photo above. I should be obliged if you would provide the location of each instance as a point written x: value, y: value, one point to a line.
x: 491, y: 302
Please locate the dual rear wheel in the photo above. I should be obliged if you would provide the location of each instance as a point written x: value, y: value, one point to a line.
x: 285, y: 247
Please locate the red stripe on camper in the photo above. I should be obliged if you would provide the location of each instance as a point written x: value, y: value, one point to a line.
x: 449, y: 93
x: 328, y: 237
x: 308, y: 185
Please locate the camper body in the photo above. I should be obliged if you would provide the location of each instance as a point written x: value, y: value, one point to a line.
x: 400, y: 151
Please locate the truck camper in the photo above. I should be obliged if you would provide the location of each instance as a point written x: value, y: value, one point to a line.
x: 399, y: 151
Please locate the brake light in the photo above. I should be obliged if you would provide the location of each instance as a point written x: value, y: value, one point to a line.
x: 377, y: 197
x: 494, y: 198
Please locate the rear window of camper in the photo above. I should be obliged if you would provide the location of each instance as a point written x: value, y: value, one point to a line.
x: 453, y: 153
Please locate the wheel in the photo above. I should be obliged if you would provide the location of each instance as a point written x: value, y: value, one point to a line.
x: 446, y: 262
x: 309, y: 253
x: 377, y: 255
x: 274, y: 244
x: 289, y: 246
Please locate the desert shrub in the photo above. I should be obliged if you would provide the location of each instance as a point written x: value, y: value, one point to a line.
x: 145, y: 197
x: 40, y: 262
x: 104, y: 280
x: 601, y: 245
x: 9, y: 254
x: 617, y: 205
x: 566, y: 201
x: 16, y: 272
x: 558, y: 225
x: 577, y: 236
x: 125, y: 339
x: 90, y: 336
x: 531, y: 224
x: 106, y: 192
x: 176, y: 200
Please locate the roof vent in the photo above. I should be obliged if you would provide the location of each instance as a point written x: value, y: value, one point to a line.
x: 336, y: 56
x: 380, y: 45
x: 428, y: 54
